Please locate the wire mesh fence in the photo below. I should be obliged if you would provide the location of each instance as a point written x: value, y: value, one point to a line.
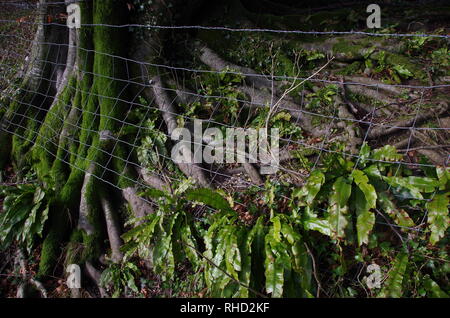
x: 133, y: 89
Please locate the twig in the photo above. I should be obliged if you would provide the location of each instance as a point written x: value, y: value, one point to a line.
x: 319, y: 285
x: 390, y: 225
x: 424, y: 147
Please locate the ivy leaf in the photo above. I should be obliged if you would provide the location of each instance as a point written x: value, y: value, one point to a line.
x: 276, y: 229
x: 393, y: 285
x: 438, y: 218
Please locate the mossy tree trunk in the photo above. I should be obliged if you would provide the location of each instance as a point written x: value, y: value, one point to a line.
x: 72, y: 103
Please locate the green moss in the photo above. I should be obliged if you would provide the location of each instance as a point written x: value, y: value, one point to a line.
x: 359, y: 98
x: 125, y: 177
x: 344, y: 49
x: 397, y: 59
x: 48, y: 137
x: 74, y: 248
x: 351, y: 69
x: 51, y: 247
x: 111, y: 41
x: 93, y: 242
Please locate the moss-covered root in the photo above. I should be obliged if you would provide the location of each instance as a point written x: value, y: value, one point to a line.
x: 52, y: 246
x: 90, y: 217
x: 46, y: 145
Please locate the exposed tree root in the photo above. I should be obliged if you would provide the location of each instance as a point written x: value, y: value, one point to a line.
x: 380, y: 131
x: 168, y: 111
x: 369, y: 81
x: 95, y: 275
x: 260, y: 98
x: 139, y: 206
x: 113, y: 229
x: 253, y: 173
x: 29, y: 286
x: 215, y: 62
x: 154, y: 181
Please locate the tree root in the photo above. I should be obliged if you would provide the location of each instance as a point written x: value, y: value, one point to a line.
x: 95, y: 275
x: 215, y: 62
x: 154, y: 181
x: 137, y: 204
x: 381, y: 131
x: 83, y: 219
x: 253, y: 173
x: 168, y: 111
x: 371, y: 93
x: 369, y: 81
x: 29, y: 285
x: 259, y: 98
x: 113, y: 229
x: 352, y: 136
x: 434, y: 156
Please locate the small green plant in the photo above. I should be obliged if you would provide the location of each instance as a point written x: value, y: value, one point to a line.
x: 237, y: 260
x: 323, y: 97
x: 153, y: 154
x: 223, y: 94
x: 282, y: 120
x: 416, y: 44
x: 118, y: 278
x: 25, y: 212
x: 348, y: 190
x: 441, y: 57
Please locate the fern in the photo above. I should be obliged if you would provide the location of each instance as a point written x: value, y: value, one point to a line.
x: 393, y: 286
x: 25, y: 212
